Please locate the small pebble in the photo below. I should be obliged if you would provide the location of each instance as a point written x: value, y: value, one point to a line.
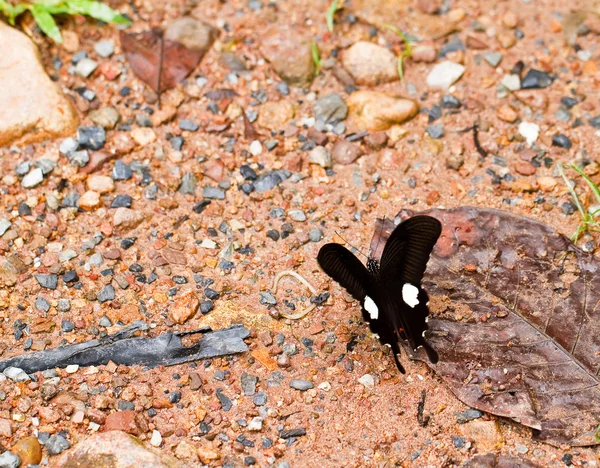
x: 301, y: 385
x: 562, y: 141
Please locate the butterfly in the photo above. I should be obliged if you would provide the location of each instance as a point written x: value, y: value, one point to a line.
x: 389, y: 291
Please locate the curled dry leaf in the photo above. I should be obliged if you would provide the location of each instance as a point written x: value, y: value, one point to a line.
x: 144, y: 50
x: 515, y: 320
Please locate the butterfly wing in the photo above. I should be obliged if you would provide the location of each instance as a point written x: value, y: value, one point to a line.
x: 407, y: 251
x: 341, y: 264
x: 403, y: 263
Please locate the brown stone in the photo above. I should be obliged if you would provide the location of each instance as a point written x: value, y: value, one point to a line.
x: 525, y: 168
x: 485, y: 434
x: 126, y: 219
x: 122, y: 421
x: 275, y: 115
x: 185, y: 307
x: 174, y: 256
x: 345, y: 152
x: 32, y: 108
x: 507, y: 114
x: 532, y: 98
x: 374, y: 110
x: 289, y: 54
x: 114, y: 449
x: 474, y: 42
x: 29, y: 451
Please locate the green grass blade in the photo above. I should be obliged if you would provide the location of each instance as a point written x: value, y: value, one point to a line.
x: 335, y: 6
x: 571, y: 190
x: 96, y: 10
x: 593, y: 187
x: 400, y: 70
x: 316, y: 57
x: 46, y: 23
x: 11, y: 11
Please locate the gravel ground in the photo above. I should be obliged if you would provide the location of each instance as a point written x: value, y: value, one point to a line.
x: 180, y: 220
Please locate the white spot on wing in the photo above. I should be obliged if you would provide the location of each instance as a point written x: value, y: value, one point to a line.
x: 371, y: 308
x: 410, y: 294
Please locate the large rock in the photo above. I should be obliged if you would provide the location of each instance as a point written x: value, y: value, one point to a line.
x: 191, y: 33
x: 115, y: 449
x: 31, y: 106
x: 289, y: 55
x: 370, y: 64
x: 375, y: 111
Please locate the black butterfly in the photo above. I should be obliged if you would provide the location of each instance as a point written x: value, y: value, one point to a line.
x: 390, y: 293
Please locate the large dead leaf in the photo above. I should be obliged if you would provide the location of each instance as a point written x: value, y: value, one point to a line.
x: 144, y: 50
x: 515, y: 320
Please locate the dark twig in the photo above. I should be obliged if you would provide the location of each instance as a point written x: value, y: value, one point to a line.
x: 422, y: 420
x: 480, y: 149
x: 160, y: 65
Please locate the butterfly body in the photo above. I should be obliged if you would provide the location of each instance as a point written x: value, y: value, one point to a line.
x: 390, y: 293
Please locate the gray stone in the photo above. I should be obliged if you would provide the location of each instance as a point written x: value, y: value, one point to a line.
x: 104, y: 48
x: 42, y: 304
x: 46, y: 165
x: 493, y: 58
x: 189, y: 183
x: 330, y: 109
x: 92, y: 138
x: 57, y: 444
x: 15, y: 374
x: 468, y: 415
x: 63, y: 305
x: 249, y: 382
x: 105, y: 322
x: 121, y: 171
x: 5, y: 224
x: 213, y: 193
x: 188, y: 125
x: 79, y: 158
x: 270, y: 180
x: 107, y: 293
x: 9, y: 460
x: 297, y: 215
x: 267, y: 298
x: 301, y: 385
x: 48, y: 281
x: 68, y: 146
x: 436, y: 131
x: 23, y: 168
x: 260, y: 399
x: 315, y: 235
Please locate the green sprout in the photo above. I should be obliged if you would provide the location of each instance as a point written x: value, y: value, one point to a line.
x: 335, y: 6
x: 316, y: 57
x: 588, y: 219
x: 43, y: 11
x: 407, y: 49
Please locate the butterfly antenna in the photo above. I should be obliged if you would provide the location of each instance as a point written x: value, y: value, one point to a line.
x: 357, y: 250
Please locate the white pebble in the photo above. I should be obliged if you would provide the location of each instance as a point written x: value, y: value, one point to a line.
x: 72, y: 369
x: 33, y: 178
x: 367, y: 380
x: 444, y: 74
x: 156, y: 439
x: 255, y: 148
x: 530, y: 131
